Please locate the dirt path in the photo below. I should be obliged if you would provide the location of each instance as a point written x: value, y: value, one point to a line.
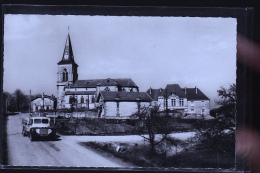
x: 64, y: 152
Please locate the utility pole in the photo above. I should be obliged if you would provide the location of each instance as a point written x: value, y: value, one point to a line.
x: 30, y: 102
x: 43, y: 101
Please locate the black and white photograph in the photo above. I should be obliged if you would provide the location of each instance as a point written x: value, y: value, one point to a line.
x: 109, y: 91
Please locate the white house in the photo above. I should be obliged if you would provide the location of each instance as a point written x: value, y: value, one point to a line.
x: 43, y: 103
x: 198, y: 102
x: 182, y: 100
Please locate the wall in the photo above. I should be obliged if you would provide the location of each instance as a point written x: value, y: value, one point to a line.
x: 60, y: 72
x: 60, y: 96
x: 86, y: 97
x: 197, y: 106
x: 126, y: 109
x: 128, y: 89
x: 80, y: 89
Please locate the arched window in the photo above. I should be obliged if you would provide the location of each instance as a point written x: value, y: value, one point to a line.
x: 107, y: 89
x: 82, y: 99
x: 71, y: 100
x: 65, y: 75
x: 181, y: 102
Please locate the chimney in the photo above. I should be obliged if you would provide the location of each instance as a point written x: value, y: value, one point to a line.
x: 150, y: 91
x: 160, y: 90
x: 196, y: 90
x: 185, y: 91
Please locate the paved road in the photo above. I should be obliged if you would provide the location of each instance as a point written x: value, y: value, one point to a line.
x: 64, y: 152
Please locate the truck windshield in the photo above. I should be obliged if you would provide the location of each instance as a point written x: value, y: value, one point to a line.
x: 44, y: 121
x: 37, y: 121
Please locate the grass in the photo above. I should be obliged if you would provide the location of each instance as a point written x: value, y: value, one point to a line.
x: 192, y: 157
x: 201, y: 158
x: 111, y: 127
x: 136, y: 154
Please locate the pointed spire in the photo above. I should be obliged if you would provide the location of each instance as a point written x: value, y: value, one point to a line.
x: 68, y: 53
x: 68, y: 57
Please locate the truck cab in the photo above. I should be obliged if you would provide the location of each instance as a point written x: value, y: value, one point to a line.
x: 38, y: 127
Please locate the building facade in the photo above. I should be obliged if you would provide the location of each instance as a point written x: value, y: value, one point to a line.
x: 46, y: 103
x: 180, y: 100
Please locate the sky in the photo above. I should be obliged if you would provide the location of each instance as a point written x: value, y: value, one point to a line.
x: 153, y: 51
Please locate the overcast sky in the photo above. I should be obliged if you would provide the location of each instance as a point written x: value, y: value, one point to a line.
x: 153, y: 51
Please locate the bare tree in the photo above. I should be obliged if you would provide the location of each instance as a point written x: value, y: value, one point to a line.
x: 153, y: 124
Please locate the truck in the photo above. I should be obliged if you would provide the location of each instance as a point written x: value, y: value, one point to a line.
x: 38, y: 127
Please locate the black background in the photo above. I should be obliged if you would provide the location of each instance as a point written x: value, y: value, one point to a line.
x: 164, y: 3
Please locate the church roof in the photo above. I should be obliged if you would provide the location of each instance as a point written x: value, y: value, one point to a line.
x: 67, y: 57
x: 174, y: 89
x: 192, y: 95
x: 80, y: 92
x: 125, y: 82
x: 155, y: 93
x: 93, y: 83
x: 125, y: 96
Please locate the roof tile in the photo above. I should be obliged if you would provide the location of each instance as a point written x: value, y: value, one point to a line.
x: 155, y: 93
x: 192, y: 95
x: 125, y: 96
x: 174, y: 89
x: 92, y: 83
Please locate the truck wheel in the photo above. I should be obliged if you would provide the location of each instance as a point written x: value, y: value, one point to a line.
x: 23, y: 132
x: 31, y: 137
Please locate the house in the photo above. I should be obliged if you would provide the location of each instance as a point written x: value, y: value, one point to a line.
x: 121, y: 104
x: 44, y: 102
x: 180, y: 100
x: 198, y: 102
x: 155, y: 94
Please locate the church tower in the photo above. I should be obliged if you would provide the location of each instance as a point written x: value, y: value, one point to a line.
x: 67, y: 72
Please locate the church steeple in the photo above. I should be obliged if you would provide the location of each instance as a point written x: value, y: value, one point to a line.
x: 68, y: 53
x: 68, y: 57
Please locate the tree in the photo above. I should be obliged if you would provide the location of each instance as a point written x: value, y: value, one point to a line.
x: 16, y: 101
x: 227, y: 96
x: 20, y: 99
x: 219, y: 134
x: 153, y: 124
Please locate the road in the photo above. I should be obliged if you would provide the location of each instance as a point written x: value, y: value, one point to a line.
x: 63, y: 152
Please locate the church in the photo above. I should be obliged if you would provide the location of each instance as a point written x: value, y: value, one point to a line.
x: 111, y: 98
x: 120, y: 98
